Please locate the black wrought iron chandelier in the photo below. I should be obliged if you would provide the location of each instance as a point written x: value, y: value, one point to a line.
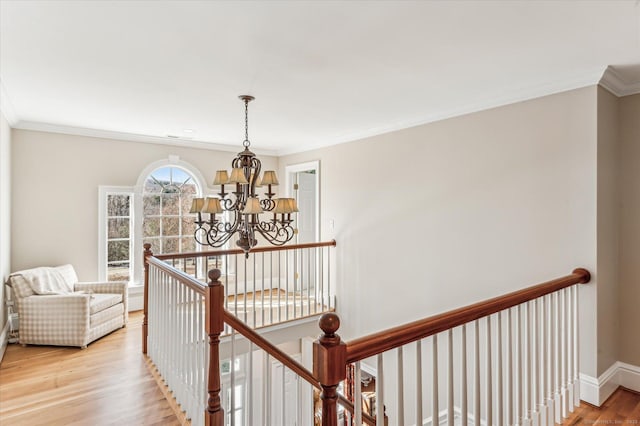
x: 239, y: 210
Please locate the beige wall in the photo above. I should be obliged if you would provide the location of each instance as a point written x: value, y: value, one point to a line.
x: 55, y: 191
x: 456, y: 211
x: 630, y: 230
x: 608, y: 229
x: 5, y: 212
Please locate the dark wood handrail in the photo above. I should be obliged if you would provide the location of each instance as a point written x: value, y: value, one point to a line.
x: 169, y: 256
x: 185, y: 279
x: 285, y: 359
x: 376, y: 343
x: 269, y: 347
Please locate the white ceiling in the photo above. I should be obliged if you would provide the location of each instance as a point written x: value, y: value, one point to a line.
x: 322, y: 72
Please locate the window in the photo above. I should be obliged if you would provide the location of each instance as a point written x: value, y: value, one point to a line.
x: 116, y: 233
x: 155, y: 211
x: 166, y: 200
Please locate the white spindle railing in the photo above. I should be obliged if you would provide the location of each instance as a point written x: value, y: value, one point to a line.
x: 176, y: 339
x: 268, y: 287
x: 523, y: 368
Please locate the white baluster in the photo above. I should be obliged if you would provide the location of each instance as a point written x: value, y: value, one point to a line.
x: 329, y: 278
x: 249, y: 381
x: 400, y: 393
x: 450, y: 416
x: 477, y: 415
x: 569, y: 304
x: 232, y: 375
x: 518, y: 415
x: 435, y: 410
x: 380, y: 392
x: 557, y: 407
x: 419, y: 417
x: 499, y: 367
x: 509, y: 370
x: 576, y: 358
x: 489, y: 379
x: 267, y: 389
x: 526, y: 380
x: 464, y: 411
x: 563, y: 355
x: 533, y: 310
x: 357, y: 393
x: 542, y: 362
x: 549, y: 357
x: 262, y: 307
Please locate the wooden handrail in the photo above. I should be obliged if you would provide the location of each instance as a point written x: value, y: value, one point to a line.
x: 269, y: 347
x: 185, y: 279
x: 169, y: 256
x: 376, y: 343
x: 285, y: 359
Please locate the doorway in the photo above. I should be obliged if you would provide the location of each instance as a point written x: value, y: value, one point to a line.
x: 303, y: 184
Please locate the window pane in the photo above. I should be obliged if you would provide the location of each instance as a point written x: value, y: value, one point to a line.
x: 118, y: 228
x: 151, y: 227
x: 118, y: 272
x: 118, y: 250
x: 188, y: 225
x: 170, y: 226
x: 117, y: 205
x: 180, y: 176
x: 188, y: 244
x: 155, y: 244
x: 151, y: 205
x: 170, y: 245
x: 151, y: 186
x: 187, y: 195
x: 170, y: 204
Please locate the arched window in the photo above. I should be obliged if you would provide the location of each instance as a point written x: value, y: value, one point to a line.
x: 166, y: 199
x: 155, y: 211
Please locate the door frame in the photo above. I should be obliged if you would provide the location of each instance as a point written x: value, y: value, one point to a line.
x: 290, y: 170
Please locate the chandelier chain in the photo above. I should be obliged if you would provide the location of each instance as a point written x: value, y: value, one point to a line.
x: 246, y: 142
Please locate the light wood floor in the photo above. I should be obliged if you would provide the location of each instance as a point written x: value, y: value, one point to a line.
x: 109, y: 383
x: 273, y: 307
x: 621, y: 409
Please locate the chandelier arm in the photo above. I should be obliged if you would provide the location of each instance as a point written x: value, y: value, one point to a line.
x: 275, y: 233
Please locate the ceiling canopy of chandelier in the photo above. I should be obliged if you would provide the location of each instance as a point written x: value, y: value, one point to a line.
x: 239, y: 210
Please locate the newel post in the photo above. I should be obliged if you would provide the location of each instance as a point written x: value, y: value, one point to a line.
x: 146, y: 255
x: 214, y: 325
x: 329, y: 366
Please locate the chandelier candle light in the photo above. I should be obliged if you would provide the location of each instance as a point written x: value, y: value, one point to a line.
x: 244, y: 207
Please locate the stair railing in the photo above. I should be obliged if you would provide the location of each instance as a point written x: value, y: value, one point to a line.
x: 185, y: 318
x: 526, y: 375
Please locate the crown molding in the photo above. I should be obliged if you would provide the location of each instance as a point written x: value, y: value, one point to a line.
x: 133, y: 137
x: 565, y: 84
x: 614, y: 83
x: 7, y: 107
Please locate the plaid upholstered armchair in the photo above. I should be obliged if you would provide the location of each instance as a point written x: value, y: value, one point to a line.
x: 55, y: 309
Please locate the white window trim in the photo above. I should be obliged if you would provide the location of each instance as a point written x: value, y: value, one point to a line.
x: 103, y: 191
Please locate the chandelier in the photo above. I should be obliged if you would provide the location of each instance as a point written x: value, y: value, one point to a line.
x: 239, y: 210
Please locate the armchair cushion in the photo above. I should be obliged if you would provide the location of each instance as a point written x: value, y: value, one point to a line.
x: 100, y: 302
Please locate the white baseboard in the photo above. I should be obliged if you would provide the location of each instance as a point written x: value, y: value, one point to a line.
x: 4, y: 340
x: 629, y: 376
x: 595, y: 391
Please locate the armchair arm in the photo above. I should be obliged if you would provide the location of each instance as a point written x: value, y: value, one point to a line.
x: 119, y: 287
x: 55, y: 319
x: 116, y: 287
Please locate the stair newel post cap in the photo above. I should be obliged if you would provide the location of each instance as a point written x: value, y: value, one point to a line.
x: 214, y: 276
x: 329, y: 352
